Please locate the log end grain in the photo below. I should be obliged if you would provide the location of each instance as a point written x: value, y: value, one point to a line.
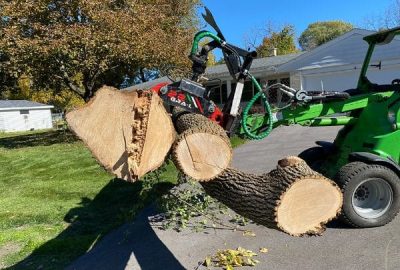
x: 307, y: 205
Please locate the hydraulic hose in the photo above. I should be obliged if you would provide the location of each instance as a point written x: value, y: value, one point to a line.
x: 268, y: 114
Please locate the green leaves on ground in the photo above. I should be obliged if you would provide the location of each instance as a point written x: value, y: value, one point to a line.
x: 186, y: 205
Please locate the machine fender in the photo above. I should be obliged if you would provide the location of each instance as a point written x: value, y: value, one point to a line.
x: 370, y: 158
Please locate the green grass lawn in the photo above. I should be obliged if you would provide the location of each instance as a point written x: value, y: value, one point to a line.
x: 56, y: 201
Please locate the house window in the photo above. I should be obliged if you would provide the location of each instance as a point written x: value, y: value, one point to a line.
x: 285, y: 81
x: 247, y: 91
x: 224, y: 93
x: 24, y: 112
x: 271, y: 82
x: 218, y: 93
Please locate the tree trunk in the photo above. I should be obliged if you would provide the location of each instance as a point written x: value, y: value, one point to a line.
x: 129, y: 133
x: 202, y: 149
x: 293, y: 197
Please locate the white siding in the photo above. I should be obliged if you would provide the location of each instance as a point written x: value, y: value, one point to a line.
x: 346, y: 77
x: 335, y: 81
x: 295, y: 80
x: 13, y: 120
x: 2, y: 126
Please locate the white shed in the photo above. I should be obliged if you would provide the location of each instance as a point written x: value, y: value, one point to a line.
x: 336, y: 65
x: 23, y: 115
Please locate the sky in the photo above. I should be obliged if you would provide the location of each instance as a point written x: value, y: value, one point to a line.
x: 238, y: 18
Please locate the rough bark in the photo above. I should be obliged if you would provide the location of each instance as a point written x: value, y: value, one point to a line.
x: 293, y: 197
x: 129, y: 133
x: 202, y: 149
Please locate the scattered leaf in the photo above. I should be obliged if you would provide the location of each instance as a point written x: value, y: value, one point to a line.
x: 230, y: 258
x: 207, y: 261
x: 249, y: 233
x: 264, y: 250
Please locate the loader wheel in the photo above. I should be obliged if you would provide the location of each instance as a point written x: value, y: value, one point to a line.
x: 370, y: 194
x: 314, y: 157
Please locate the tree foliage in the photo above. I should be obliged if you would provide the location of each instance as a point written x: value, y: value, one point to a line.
x: 321, y: 32
x: 62, y: 100
x: 283, y: 40
x: 83, y: 44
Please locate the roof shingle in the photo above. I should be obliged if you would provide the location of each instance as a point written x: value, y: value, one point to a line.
x: 9, y: 104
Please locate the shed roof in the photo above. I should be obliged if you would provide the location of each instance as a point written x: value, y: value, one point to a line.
x: 22, y: 104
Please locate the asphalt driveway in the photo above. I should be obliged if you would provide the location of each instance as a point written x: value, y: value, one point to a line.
x: 140, y: 245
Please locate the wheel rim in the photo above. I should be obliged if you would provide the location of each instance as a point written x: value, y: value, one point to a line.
x: 372, y: 198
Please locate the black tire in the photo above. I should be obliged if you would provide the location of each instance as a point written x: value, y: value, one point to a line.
x: 352, y: 177
x: 314, y: 156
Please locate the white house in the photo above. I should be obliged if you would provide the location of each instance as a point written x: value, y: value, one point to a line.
x: 336, y: 65
x: 22, y: 115
x: 333, y: 66
x: 264, y: 69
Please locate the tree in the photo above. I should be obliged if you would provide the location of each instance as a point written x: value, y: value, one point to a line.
x: 81, y: 44
x: 271, y: 38
x: 319, y: 33
x: 282, y: 40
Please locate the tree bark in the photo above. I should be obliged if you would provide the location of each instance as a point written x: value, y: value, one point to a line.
x: 202, y: 149
x: 292, y: 198
x: 129, y: 133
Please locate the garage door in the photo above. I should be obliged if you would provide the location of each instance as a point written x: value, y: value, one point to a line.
x: 330, y: 81
x: 339, y: 81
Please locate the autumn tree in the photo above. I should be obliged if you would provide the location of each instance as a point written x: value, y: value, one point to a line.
x: 281, y: 39
x: 82, y: 44
x: 319, y: 33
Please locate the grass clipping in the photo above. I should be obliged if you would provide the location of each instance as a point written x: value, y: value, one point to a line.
x: 230, y: 258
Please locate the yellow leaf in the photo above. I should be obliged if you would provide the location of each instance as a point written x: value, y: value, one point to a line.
x: 207, y: 261
x: 229, y: 267
x: 263, y: 250
x: 249, y: 233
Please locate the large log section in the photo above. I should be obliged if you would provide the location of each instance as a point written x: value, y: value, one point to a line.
x: 293, y: 197
x: 129, y: 133
x: 202, y: 149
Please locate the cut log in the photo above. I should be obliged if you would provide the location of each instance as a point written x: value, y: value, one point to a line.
x: 202, y: 149
x: 129, y: 133
x: 293, y: 197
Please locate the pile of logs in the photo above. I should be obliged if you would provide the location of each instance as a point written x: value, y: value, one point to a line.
x: 130, y: 134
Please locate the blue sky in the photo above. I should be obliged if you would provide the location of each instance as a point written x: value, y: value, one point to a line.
x: 238, y: 17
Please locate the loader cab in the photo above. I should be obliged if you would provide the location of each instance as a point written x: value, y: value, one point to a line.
x: 365, y: 84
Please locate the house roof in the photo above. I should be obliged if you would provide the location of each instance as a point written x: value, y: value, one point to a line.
x: 347, y: 49
x: 22, y: 104
x: 149, y: 84
x: 265, y: 64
